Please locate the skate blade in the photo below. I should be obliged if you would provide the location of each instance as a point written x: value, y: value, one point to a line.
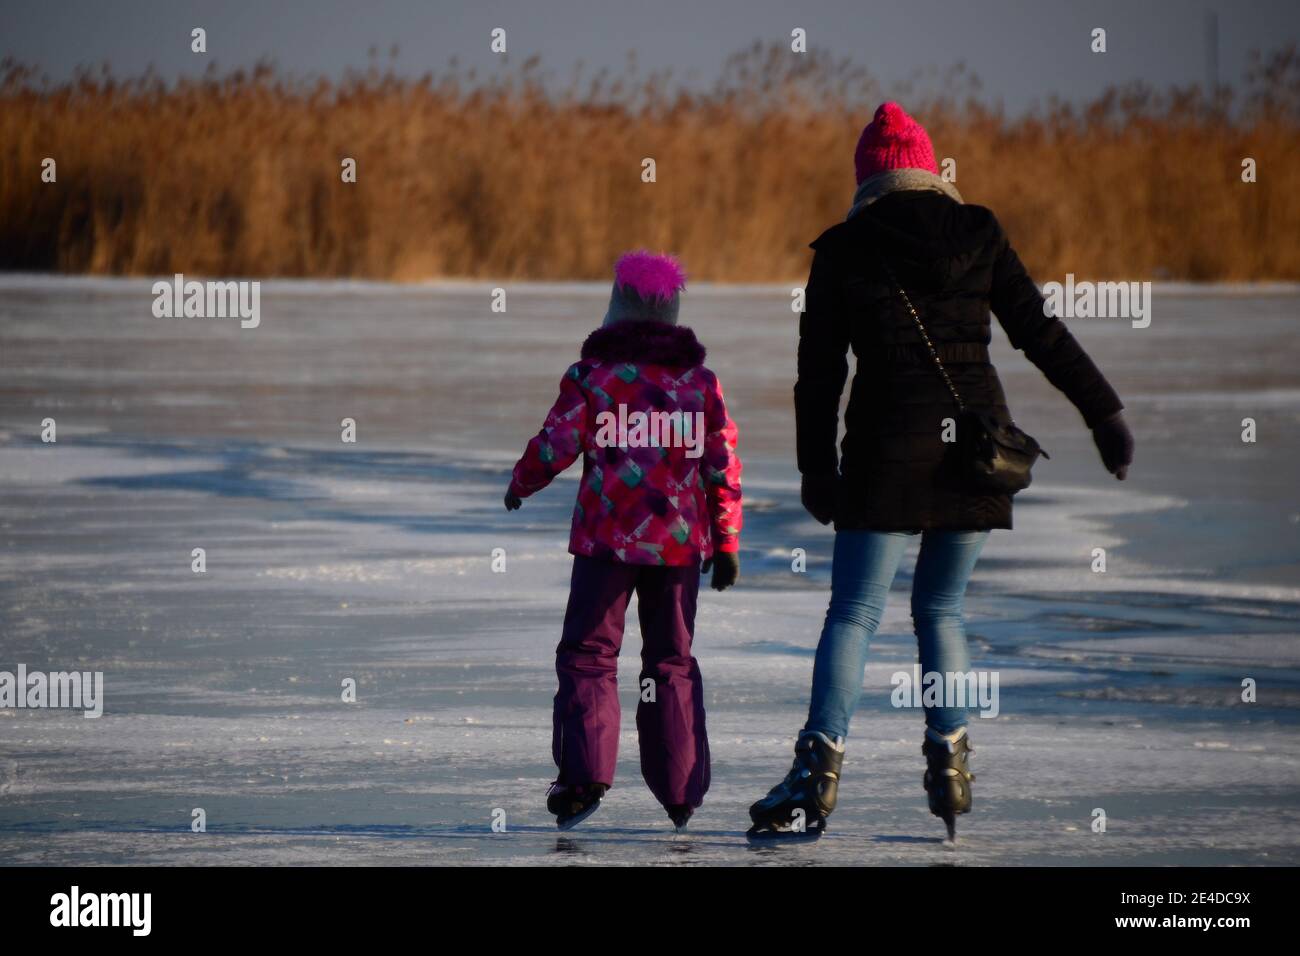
x: 757, y: 834
x: 577, y: 818
x: 950, y: 822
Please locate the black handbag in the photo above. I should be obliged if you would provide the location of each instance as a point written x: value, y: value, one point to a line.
x: 989, y: 456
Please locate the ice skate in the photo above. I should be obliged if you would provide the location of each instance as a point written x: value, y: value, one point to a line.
x: 572, y: 805
x: 799, y: 805
x: 680, y: 814
x: 947, y: 778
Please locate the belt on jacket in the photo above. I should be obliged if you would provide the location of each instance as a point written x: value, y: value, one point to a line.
x: 950, y: 353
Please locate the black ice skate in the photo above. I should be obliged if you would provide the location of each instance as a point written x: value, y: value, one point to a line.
x: 573, y: 804
x: 947, y: 779
x: 800, y: 804
x: 680, y: 814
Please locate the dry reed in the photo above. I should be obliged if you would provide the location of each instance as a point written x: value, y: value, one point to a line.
x: 240, y: 174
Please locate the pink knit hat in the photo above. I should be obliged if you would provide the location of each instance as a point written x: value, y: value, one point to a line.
x: 893, y: 140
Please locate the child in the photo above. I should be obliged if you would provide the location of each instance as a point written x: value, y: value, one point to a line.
x: 660, y: 490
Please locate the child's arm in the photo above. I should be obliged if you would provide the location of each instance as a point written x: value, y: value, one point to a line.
x: 557, y: 445
x: 722, y: 472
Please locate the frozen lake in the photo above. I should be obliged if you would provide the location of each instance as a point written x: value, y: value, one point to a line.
x: 328, y: 561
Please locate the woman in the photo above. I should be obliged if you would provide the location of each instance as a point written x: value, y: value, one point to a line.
x: 909, y: 238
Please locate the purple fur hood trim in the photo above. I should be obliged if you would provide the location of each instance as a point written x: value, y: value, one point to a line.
x: 654, y: 343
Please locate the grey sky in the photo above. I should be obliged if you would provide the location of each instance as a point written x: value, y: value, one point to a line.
x: 1022, y: 50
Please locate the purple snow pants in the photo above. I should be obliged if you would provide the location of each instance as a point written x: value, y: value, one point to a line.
x: 674, y: 745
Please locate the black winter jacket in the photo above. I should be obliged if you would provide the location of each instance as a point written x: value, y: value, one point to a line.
x: 955, y: 262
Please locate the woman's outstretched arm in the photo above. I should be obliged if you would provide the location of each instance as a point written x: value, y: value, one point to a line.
x: 1047, y: 343
x: 1045, y: 340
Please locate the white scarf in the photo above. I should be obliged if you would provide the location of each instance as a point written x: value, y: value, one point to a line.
x: 898, y: 180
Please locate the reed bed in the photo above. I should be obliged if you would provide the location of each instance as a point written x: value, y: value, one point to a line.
x: 520, y: 177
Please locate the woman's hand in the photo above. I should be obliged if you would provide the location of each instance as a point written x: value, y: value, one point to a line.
x: 817, y: 492
x: 1115, y: 442
x: 513, y: 501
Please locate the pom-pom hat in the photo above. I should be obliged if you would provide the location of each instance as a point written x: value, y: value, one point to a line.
x: 893, y: 140
x: 646, y: 287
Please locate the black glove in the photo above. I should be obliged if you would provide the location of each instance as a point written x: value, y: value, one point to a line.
x: 1115, y: 442
x: 726, y: 569
x: 513, y: 501
x: 817, y: 492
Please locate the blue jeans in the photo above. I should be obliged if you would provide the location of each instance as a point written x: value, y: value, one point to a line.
x: 864, y: 566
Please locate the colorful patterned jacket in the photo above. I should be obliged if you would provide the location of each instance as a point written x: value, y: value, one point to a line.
x: 658, y: 487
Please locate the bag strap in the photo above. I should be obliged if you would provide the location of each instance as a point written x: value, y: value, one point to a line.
x: 925, y: 336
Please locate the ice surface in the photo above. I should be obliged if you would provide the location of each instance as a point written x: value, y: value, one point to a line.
x: 1119, y: 690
